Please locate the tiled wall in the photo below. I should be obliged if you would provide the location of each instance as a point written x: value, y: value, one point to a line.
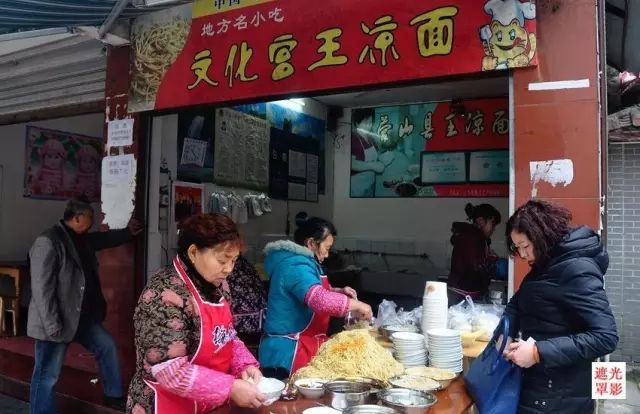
x: 623, y: 243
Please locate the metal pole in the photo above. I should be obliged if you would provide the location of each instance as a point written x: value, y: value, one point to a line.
x: 34, y: 33
x: 113, y: 16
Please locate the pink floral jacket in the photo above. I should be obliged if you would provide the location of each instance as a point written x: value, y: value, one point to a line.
x: 167, y: 334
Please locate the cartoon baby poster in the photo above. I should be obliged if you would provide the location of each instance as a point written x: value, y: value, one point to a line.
x: 508, y: 39
x: 61, y: 165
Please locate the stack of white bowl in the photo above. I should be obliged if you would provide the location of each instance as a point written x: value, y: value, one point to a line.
x: 435, y: 307
x: 445, y: 349
x: 409, y: 349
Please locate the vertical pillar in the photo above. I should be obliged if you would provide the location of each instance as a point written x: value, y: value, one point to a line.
x: 119, y: 267
x: 561, y: 123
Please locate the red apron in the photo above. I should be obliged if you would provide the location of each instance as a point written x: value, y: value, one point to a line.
x: 214, y: 350
x: 310, y: 339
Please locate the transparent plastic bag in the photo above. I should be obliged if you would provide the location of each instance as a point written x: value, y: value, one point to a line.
x: 386, y: 313
x: 460, y: 316
x: 485, y: 319
x: 479, y: 319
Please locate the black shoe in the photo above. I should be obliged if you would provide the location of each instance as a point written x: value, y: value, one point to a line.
x: 118, y: 404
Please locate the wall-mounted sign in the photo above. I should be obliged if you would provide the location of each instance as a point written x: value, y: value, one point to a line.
x: 120, y: 132
x: 227, y: 50
x: 437, y: 149
x: 443, y: 168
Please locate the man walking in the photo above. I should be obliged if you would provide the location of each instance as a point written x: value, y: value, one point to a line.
x: 67, y: 304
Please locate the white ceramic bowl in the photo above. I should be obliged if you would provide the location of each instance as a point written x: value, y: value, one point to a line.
x: 271, y: 388
x: 312, y: 388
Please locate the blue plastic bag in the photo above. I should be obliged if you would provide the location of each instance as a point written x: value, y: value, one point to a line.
x: 493, y: 382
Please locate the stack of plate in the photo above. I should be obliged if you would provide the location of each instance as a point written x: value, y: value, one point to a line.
x: 409, y: 349
x: 445, y: 349
x: 435, y: 307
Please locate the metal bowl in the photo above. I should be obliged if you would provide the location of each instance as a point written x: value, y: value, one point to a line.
x: 369, y: 409
x: 387, y: 330
x: 445, y: 378
x: 376, y: 385
x: 345, y: 393
x: 496, y: 294
x: 408, y: 401
x: 310, y: 388
x: 396, y: 383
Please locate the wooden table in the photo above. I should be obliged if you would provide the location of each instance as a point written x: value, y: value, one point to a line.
x: 453, y: 400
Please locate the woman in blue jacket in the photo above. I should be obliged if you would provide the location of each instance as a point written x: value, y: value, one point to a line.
x: 561, y: 305
x: 301, y: 301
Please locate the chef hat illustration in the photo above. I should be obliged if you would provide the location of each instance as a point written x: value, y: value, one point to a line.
x: 505, y: 11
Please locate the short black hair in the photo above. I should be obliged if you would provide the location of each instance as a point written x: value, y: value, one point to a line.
x: 360, y: 114
x: 485, y: 211
x: 76, y: 207
x: 314, y: 228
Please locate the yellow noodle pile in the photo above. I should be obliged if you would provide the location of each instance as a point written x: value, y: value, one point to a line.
x: 352, y: 354
x: 156, y: 47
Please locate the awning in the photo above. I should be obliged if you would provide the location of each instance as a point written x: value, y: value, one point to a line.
x: 22, y: 15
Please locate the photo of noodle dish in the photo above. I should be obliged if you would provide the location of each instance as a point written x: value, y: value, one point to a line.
x: 157, y: 39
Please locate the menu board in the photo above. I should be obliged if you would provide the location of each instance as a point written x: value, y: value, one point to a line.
x: 294, y: 166
x: 241, y: 150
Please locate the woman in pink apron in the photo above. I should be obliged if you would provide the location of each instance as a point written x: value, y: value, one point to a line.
x: 189, y: 359
x: 301, y: 301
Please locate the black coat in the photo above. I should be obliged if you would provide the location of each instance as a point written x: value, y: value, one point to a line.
x: 563, y: 306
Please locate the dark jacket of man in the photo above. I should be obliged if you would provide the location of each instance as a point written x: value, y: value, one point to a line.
x: 64, y: 281
x: 563, y: 306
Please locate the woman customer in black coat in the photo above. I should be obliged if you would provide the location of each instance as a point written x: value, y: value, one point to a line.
x: 562, y: 305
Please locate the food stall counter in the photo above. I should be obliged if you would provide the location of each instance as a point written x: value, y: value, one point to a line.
x: 453, y: 400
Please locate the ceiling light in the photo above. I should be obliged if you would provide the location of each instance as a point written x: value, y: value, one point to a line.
x: 294, y: 104
x: 297, y: 101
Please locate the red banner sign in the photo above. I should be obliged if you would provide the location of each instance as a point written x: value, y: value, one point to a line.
x: 266, y: 48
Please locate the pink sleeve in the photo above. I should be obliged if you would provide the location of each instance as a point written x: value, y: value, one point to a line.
x: 195, y: 382
x: 242, y: 358
x: 322, y: 300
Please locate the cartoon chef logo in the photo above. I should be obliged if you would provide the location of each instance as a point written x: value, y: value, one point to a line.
x: 222, y: 335
x: 507, y: 43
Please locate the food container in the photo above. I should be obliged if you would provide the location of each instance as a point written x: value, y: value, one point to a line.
x: 375, y: 384
x: 369, y: 409
x: 345, y: 393
x: 422, y: 383
x: 444, y: 376
x: 311, y: 388
x: 271, y: 388
x: 408, y: 401
x: 469, y: 338
x: 388, y: 330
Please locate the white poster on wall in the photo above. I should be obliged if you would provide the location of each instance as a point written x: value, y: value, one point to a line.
x: 118, y: 190
x: 120, y: 132
x: 241, y: 155
x: 118, y: 168
x: 194, y: 152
